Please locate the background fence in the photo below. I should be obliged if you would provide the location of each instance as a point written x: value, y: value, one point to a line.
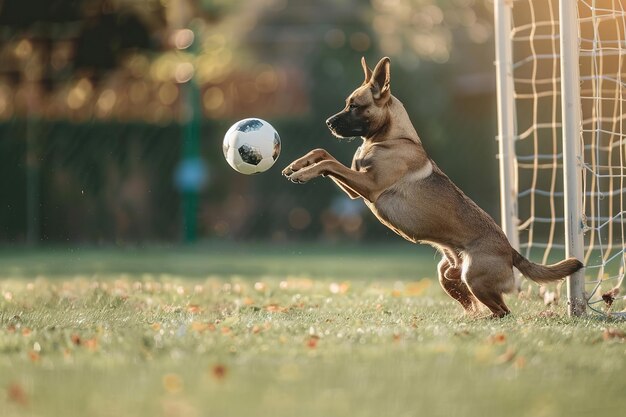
x: 116, y: 182
x: 95, y: 99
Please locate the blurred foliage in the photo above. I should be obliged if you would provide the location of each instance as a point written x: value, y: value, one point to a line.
x: 100, y: 131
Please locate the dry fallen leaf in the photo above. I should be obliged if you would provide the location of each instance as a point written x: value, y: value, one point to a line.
x: 610, y: 296
x: 415, y: 289
x: 33, y: 356
x: 16, y: 394
x: 497, y: 339
x: 219, y: 371
x: 339, y: 288
x: 612, y: 333
x: 75, y: 339
x: 312, y: 342
x: 275, y: 308
x: 200, y: 327
x: 91, y: 344
x: 172, y: 383
x: 194, y: 309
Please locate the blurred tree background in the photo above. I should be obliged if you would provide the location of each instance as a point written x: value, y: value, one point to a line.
x: 96, y: 97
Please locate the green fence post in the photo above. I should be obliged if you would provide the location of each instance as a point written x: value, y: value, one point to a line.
x: 32, y: 180
x: 192, y: 114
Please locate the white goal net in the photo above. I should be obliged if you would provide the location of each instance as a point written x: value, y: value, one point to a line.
x: 532, y: 87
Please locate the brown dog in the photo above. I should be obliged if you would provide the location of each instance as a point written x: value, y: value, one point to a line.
x: 408, y: 193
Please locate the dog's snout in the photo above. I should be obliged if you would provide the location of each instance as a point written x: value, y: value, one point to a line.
x: 345, y: 124
x: 334, y: 121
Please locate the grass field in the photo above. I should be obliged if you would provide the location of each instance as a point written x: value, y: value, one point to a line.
x: 253, y: 330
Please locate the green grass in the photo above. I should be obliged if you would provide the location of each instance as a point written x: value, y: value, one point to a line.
x: 251, y: 330
x: 398, y: 261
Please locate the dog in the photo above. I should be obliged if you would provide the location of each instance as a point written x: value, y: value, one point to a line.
x: 408, y: 193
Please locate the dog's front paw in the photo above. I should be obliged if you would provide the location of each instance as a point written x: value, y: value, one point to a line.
x: 295, y: 178
x: 296, y: 166
x: 288, y: 171
x: 301, y: 176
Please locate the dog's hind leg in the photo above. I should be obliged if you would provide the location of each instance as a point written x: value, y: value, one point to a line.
x: 492, y: 299
x: 487, y: 279
x: 450, y: 280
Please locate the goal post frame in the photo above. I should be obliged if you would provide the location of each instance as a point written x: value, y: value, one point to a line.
x: 506, y: 124
x: 572, y: 150
x: 571, y: 137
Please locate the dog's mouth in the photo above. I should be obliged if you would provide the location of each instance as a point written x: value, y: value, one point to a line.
x: 343, y: 130
x: 353, y: 133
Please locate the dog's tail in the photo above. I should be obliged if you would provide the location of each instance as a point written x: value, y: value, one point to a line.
x: 543, y: 274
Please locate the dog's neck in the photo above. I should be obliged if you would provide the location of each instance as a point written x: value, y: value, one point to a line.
x: 399, y: 125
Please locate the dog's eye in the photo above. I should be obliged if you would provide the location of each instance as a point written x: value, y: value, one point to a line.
x: 353, y: 106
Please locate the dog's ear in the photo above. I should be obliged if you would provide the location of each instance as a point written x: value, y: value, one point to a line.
x: 380, y: 79
x: 366, y: 71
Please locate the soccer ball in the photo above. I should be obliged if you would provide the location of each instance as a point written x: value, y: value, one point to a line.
x: 251, y: 146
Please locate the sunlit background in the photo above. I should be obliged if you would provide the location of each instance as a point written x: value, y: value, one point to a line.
x: 112, y: 112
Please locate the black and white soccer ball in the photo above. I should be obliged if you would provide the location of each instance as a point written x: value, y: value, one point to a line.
x: 251, y: 146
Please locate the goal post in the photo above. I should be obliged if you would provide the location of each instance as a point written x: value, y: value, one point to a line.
x: 572, y: 151
x: 561, y: 79
x: 506, y: 125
